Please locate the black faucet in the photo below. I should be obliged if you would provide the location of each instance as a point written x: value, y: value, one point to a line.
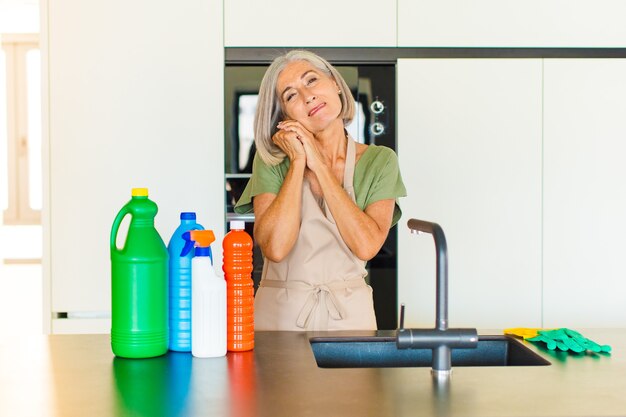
x: 440, y: 339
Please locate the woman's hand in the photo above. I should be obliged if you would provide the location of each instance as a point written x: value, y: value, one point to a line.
x: 287, y: 140
x: 293, y: 128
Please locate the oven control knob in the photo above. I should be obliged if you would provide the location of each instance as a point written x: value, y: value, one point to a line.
x: 377, y: 128
x: 377, y: 107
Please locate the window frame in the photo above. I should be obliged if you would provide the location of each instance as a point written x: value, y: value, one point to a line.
x: 19, y: 211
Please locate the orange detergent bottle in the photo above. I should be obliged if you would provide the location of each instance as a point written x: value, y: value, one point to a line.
x: 237, y: 267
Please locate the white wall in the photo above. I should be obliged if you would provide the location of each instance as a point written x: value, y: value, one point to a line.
x: 19, y: 16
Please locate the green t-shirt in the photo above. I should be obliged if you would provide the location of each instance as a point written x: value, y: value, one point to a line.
x: 376, y: 177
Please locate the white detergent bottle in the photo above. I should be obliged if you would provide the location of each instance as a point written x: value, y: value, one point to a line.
x: 208, y: 299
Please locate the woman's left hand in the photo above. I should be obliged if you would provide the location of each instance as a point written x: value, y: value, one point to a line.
x: 313, y: 155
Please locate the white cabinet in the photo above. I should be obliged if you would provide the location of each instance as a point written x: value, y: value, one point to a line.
x: 585, y: 192
x: 135, y: 93
x: 297, y: 23
x: 523, y: 167
x: 509, y: 23
x: 469, y: 144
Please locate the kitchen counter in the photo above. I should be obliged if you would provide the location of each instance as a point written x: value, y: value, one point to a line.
x: 77, y: 375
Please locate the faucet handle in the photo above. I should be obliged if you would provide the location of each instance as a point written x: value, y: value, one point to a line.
x: 401, y: 316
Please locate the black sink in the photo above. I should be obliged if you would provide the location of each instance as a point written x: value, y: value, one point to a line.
x: 381, y: 352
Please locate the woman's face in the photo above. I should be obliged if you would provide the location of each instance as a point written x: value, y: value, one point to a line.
x: 308, y: 95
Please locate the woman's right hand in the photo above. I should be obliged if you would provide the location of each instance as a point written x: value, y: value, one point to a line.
x: 289, y: 143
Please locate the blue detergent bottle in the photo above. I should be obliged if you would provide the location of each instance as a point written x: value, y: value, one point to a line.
x: 180, y: 285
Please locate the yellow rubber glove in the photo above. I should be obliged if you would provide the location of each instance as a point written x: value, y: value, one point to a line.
x: 523, y: 332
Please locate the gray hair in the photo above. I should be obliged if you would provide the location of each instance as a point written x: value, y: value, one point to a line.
x: 269, y: 111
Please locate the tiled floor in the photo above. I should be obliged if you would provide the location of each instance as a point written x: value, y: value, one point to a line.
x: 21, y: 285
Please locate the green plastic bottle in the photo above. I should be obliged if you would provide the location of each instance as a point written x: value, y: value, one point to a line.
x: 139, y: 327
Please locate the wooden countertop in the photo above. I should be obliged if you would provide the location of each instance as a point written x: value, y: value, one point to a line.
x: 77, y: 375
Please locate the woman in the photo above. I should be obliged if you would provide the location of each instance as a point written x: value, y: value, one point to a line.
x: 323, y: 204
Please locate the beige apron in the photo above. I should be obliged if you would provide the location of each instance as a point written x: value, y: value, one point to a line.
x: 320, y: 285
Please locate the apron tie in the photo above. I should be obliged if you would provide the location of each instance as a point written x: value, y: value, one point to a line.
x: 335, y: 310
x: 327, y: 291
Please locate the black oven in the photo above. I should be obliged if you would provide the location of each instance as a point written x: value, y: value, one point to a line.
x: 374, y: 90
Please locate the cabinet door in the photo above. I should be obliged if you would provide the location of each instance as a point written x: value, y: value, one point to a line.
x: 469, y: 144
x: 325, y: 23
x: 585, y: 193
x: 507, y: 23
x: 127, y: 108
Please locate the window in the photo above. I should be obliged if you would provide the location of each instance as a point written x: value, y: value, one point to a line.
x: 20, y: 125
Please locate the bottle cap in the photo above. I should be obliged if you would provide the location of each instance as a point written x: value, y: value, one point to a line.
x: 188, y: 215
x: 139, y: 192
x: 237, y: 225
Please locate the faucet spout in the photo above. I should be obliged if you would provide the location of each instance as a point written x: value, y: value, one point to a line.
x: 441, y: 248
